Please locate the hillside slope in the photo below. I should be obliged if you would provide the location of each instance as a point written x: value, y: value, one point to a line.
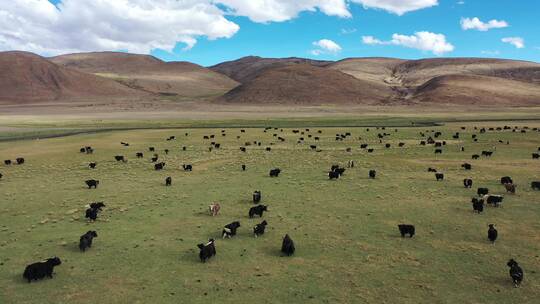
x: 147, y: 73
x: 29, y: 77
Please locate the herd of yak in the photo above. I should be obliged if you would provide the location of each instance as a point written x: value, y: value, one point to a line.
x: 45, y: 268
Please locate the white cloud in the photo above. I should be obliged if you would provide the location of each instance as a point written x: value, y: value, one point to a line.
x: 372, y: 40
x: 398, y: 7
x: 283, y: 10
x: 424, y: 41
x: 477, y: 24
x: 325, y: 46
x: 518, y: 42
x: 140, y: 26
x: 461, y: 2
x: 133, y: 25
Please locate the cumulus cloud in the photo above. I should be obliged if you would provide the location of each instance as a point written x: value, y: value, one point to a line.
x: 140, y: 26
x: 283, y: 10
x: 133, y: 25
x: 424, y: 41
x: 518, y: 42
x: 477, y: 24
x: 325, y: 46
x: 398, y: 7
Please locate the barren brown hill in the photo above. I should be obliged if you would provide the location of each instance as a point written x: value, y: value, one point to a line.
x: 247, y: 68
x: 305, y: 84
x: 150, y: 74
x: 478, y: 90
x: 29, y: 77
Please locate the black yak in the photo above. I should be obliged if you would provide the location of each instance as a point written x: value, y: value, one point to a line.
x: 258, y: 230
x: 478, y: 205
x: 257, y: 196
x: 439, y: 176
x: 257, y: 210
x: 39, y: 270
x: 492, y: 233
x: 535, y: 185
x: 287, y: 246
x: 159, y: 166
x: 120, y: 158
x: 187, y: 167
x: 207, y: 250
x: 92, y: 183
x: 92, y: 165
x: 372, y: 174
x: 86, y: 240
x: 406, y: 229
x: 467, y: 183
x: 230, y: 229
x: 466, y: 166
x: 20, y: 161
x: 275, y: 172
x: 510, y: 188
x: 168, y: 181
x: 516, y: 273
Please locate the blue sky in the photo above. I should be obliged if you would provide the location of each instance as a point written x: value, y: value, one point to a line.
x: 246, y: 34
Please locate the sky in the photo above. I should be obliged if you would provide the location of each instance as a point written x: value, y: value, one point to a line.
x: 208, y: 32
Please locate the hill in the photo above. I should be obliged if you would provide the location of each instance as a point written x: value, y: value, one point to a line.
x: 305, y: 84
x: 247, y: 68
x: 29, y: 77
x: 147, y: 73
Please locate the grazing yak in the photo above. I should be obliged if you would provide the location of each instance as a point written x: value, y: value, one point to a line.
x: 151, y: 149
x: 120, y: 158
x: 492, y: 233
x: 510, y: 188
x: 506, y: 180
x: 168, y: 181
x: 214, y: 209
x: 243, y: 167
x: 370, y: 150
x: 243, y: 149
x: 372, y: 174
x: 478, y: 205
x: 39, y: 270
x: 467, y: 183
x: 466, y: 166
x: 1, y: 175
x: 257, y: 210
x: 516, y: 273
x: 406, y: 229
x: 258, y: 230
x: 7, y: 162
x: 495, y: 200
x: 438, y: 151
x: 92, y: 183
x: 275, y: 172
x: 482, y: 191
x: 535, y: 185
x: 207, y: 250
x: 92, y: 165
x: 139, y: 155
x: 257, y: 196
x: 487, y: 153
x: 439, y: 176
x: 20, y: 161
x: 86, y: 240
x: 432, y: 170
x: 333, y: 175
x: 154, y: 158
x: 287, y: 246
x: 159, y: 166
x: 91, y: 213
x: 230, y: 229
x: 187, y: 167
x: 475, y: 156
x: 535, y: 156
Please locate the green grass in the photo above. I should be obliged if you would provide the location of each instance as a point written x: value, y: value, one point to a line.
x: 348, y: 246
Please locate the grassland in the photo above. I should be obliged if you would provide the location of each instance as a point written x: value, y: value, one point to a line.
x: 348, y: 246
